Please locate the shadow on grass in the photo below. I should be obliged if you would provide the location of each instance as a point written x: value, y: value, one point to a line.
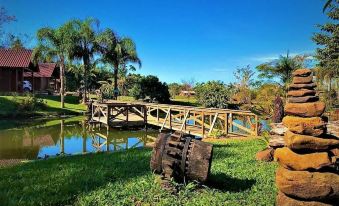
x: 221, y: 181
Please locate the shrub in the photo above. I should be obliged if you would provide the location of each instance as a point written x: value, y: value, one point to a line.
x: 28, y: 103
x: 150, y: 87
x: 212, y: 94
x: 174, y: 89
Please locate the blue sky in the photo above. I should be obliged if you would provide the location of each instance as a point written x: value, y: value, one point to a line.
x: 200, y: 39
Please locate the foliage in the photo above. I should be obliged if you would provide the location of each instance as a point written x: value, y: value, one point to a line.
x: 124, y: 178
x: 85, y: 46
x: 212, y: 94
x: 149, y: 87
x: 106, y: 90
x: 217, y: 133
x: 4, y: 19
x: 281, y: 68
x: 265, y: 138
x: 327, y: 54
x: 27, y: 105
x: 329, y: 4
x: 117, y: 51
x: 56, y: 45
x: 265, y: 96
x: 174, y: 89
x: 243, y: 94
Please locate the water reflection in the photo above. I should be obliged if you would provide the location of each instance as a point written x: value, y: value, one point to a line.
x: 69, y: 136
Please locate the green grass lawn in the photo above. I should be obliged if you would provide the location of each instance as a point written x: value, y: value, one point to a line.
x: 8, y: 106
x: 186, y: 101
x: 124, y: 178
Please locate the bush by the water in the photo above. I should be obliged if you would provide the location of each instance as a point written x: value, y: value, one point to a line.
x: 212, y: 94
x: 28, y: 103
x: 149, y: 87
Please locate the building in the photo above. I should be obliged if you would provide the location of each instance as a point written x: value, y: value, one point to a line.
x: 47, y: 79
x: 13, y: 64
x: 187, y: 93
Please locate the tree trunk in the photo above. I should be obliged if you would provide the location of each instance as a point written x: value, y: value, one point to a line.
x: 116, y: 82
x: 62, y: 83
x: 86, y: 62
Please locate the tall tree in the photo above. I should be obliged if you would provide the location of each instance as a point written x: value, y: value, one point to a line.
x: 329, y: 4
x: 56, y: 45
x: 85, y: 46
x: 244, y: 77
x: 117, y: 51
x: 4, y: 18
x: 328, y: 53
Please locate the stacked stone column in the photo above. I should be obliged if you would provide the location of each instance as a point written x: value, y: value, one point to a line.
x: 308, y: 164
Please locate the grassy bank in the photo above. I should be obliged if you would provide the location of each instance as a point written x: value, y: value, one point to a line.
x: 124, y: 178
x: 10, y: 106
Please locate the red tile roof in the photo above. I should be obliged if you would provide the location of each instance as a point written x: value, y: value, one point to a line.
x: 45, y: 70
x: 15, y: 58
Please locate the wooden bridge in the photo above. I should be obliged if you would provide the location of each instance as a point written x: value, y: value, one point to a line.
x: 199, y: 121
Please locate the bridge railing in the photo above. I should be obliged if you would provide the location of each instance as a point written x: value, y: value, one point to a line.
x: 200, y: 121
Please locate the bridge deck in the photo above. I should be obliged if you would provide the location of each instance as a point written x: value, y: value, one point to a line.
x: 199, y: 121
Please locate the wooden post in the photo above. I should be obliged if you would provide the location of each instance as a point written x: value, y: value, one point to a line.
x: 108, y: 112
x: 127, y: 108
x: 231, y: 122
x: 226, y: 123
x: 158, y: 114
x: 170, y: 119
x: 185, y: 119
x: 203, y: 124
x: 145, y: 115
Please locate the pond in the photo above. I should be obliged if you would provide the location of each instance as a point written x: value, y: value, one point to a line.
x: 34, y: 139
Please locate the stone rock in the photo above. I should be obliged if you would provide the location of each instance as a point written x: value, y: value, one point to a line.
x: 303, y: 99
x: 310, y: 109
x: 302, y: 86
x: 301, y: 93
x: 335, y: 152
x: 265, y: 155
x: 302, y: 80
x: 305, y: 142
x: 333, y: 128
x: 293, y: 161
x: 308, y: 185
x: 301, y: 72
x: 276, y: 141
x: 284, y: 200
x: 278, y: 128
x: 314, y: 126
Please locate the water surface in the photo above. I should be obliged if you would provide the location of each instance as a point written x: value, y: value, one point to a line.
x: 33, y: 139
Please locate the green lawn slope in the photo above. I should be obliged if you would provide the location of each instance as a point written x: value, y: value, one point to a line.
x: 124, y: 178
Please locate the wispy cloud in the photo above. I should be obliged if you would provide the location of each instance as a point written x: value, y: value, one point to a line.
x: 272, y: 57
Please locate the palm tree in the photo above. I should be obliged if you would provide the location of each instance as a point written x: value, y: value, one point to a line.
x: 85, y: 46
x: 328, y: 4
x: 56, y: 45
x: 118, y: 52
x: 281, y: 68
